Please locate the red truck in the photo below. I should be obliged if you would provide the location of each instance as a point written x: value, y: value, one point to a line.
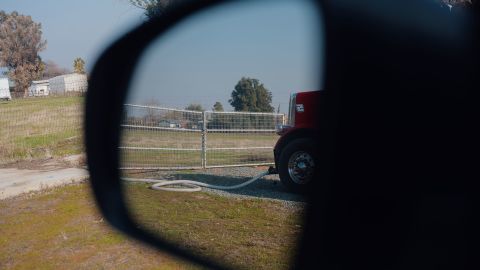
x: 296, y: 151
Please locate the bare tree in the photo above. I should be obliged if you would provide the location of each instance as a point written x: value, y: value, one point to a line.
x: 20, y: 42
x: 195, y: 107
x: 51, y: 69
x: 459, y: 3
x: 153, y: 7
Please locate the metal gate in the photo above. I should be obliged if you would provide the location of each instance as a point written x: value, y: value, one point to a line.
x: 172, y: 139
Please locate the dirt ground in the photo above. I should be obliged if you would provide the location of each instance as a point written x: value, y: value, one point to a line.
x: 74, y: 161
x: 26, y: 176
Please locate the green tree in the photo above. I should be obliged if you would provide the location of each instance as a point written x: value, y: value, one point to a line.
x: 79, y: 65
x: 153, y: 8
x: 194, y: 107
x: 217, y: 120
x: 20, y: 42
x: 251, y: 96
x: 217, y: 107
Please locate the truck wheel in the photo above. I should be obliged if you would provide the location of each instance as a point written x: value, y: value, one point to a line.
x: 297, y: 164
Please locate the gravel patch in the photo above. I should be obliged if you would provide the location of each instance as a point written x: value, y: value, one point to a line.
x: 266, y: 188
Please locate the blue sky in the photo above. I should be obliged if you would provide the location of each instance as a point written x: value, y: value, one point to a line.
x: 77, y: 28
x: 201, y: 60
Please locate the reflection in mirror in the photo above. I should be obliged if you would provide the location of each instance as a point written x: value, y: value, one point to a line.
x: 207, y: 103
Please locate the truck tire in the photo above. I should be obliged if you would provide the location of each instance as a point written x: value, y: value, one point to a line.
x: 296, y: 164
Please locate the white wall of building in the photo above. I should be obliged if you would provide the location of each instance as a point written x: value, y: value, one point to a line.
x: 68, y: 83
x: 39, y: 88
x: 4, y: 89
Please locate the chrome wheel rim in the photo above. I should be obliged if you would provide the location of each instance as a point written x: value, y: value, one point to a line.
x: 301, y: 167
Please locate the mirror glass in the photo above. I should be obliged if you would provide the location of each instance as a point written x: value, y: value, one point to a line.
x: 207, y: 103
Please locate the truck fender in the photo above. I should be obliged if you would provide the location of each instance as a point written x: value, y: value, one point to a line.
x: 293, y: 134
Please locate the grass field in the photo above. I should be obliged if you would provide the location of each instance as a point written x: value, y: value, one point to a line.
x: 182, y: 139
x: 193, y: 140
x: 163, y: 158
x: 61, y: 229
x: 44, y: 127
x: 244, y: 233
x: 33, y: 128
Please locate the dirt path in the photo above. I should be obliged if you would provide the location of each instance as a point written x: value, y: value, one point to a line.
x: 21, y: 178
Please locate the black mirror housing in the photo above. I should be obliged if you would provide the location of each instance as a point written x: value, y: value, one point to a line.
x: 386, y: 88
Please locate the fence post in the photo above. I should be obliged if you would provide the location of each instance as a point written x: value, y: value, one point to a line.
x: 204, y: 140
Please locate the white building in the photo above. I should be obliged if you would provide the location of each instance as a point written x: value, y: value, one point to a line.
x: 68, y: 83
x: 39, y: 88
x: 5, y: 89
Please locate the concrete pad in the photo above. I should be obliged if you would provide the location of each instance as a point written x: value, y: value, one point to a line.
x: 14, y: 182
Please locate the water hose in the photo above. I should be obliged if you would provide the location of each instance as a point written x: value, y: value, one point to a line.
x: 193, y: 186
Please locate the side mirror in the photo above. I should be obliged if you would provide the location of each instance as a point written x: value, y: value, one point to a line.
x: 200, y: 52
x: 395, y: 134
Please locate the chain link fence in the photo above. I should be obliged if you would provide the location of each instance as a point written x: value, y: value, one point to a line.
x: 165, y: 138
x: 43, y: 121
x: 40, y: 127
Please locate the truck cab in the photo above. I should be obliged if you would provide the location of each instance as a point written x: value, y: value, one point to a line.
x: 295, y: 152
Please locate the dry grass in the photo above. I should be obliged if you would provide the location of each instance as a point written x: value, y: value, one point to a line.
x: 193, y: 140
x: 182, y: 139
x: 38, y: 128
x: 61, y: 229
x: 245, y: 233
x: 153, y: 158
x: 34, y: 128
